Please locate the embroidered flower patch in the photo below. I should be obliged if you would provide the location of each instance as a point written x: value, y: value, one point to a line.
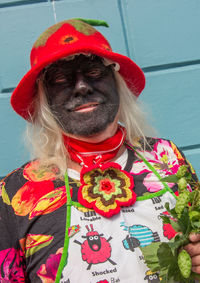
x: 105, y: 188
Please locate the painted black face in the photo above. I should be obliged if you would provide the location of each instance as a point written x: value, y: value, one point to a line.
x: 82, y: 94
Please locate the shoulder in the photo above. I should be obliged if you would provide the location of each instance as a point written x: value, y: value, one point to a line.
x: 14, y: 180
x: 29, y: 174
x: 163, y: 147
x: 163, y: 155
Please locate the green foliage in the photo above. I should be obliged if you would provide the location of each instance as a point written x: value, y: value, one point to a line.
x: 170, y: 260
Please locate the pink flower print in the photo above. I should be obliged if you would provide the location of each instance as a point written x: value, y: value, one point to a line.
x: 12, y: 265
x: 47, y: 271
x: 163, y: 159
x: 151, y: 182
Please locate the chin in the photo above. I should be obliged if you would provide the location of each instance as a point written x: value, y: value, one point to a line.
x: 88, y: 124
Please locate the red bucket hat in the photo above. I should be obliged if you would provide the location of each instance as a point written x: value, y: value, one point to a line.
x: 61, y: 40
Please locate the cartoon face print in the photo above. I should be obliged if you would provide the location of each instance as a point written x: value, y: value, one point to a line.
x: 95, y: 249
x: 138, y: 236
x: 152, y: 277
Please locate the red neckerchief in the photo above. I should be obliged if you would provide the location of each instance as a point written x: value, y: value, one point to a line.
x: 87, y: 154
x: 105, y: 187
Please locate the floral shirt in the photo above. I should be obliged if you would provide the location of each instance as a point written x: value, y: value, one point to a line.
x: 33, y: 210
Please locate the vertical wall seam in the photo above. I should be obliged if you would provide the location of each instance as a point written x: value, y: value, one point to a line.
x: 54, y: 11
x: 121, y: 12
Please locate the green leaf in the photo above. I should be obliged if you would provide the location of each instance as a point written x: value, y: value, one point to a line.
x: 163, y: 275
x: 193, y: 194
x: 150, y: 256
x: 195, y: 224
x: 165, y: 250
x: 170, y: 179
x: 171, y: 211
x: 184, y: 221
x: 174, y: 272
x: 175, y: 226
x: 94, y: 22
x: 165, y: 219
x: 178, y: 241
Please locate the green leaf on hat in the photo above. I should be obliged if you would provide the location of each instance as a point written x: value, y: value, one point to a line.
x: 94, y: 22
x: 82, y: 26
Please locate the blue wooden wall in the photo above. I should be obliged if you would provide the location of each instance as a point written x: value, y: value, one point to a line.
x: 163, y: 37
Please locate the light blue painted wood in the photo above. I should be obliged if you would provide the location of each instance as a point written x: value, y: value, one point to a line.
x: 158, y: 32
x: 12, y: 3
x: 107, y: 10
x: 12, y: 152
x: 194, y: 158
x: 173, y: 96
x: 20, y: 27
x: 162, y: 32
x: 19, y: 35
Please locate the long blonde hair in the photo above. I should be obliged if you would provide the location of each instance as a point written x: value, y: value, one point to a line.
x: 45, y: 137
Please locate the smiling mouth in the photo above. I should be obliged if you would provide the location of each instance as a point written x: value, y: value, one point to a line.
x: 86, y: 107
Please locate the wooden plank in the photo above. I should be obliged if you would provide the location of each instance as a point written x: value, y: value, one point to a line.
x: 173, y: 97
x: 12, y: 3
x: 20, y: 27
x: 107, y: 10
x: 162, y: 32
x: 12, y: 151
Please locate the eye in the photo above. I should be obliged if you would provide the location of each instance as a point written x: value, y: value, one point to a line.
x: 96, y: 237
x: 91, y: 238
x: 94, y: 73
x: 60, y: 79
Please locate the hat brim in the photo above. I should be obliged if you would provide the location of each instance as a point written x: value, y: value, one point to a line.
x: 22, y: 97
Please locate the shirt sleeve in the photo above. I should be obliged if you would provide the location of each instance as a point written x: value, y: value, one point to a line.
x: 12, y: 261
x: 183, y: 161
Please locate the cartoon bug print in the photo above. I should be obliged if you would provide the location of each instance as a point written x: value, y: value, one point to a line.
x: 152, y: 277
x: 139, y: 236
x: 95, y: 249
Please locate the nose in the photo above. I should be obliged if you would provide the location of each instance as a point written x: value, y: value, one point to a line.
x: 82, y: 86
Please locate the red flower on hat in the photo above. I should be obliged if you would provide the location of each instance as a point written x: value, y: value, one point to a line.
x: 68, y: 39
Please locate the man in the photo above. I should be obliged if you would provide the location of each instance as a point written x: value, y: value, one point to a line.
x: 71, y: 214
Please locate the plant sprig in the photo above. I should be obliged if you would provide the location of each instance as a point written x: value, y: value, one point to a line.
x: 176, y: 264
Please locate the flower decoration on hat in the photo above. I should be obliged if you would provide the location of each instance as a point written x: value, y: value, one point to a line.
x: 106, y: 188
x: 68, y: 39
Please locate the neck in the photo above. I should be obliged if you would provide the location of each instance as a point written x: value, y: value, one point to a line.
x: 87, y: 153
x: 77, y: 167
